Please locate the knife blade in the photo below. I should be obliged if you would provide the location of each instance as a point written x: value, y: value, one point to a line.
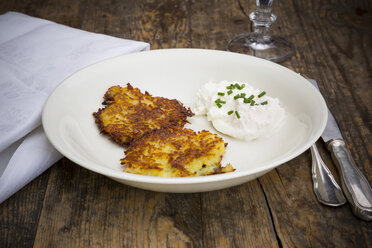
x: 355, y: 186
x: 332, y: 131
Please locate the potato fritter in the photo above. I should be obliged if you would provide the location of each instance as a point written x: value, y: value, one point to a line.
x: 129, y: 114
x: 176, y: 152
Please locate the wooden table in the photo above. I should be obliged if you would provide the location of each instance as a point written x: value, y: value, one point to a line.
x: 68, y: 206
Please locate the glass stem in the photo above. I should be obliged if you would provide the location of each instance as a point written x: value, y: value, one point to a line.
x: 262, y: 18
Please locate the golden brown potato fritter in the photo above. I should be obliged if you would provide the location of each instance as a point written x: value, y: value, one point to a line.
x: 129, y: 114
x: 175, y: 152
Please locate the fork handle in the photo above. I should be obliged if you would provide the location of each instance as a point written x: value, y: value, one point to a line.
x: 355, y: 186
x: 326, y: 188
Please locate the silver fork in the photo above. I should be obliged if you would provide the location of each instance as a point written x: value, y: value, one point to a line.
x: 326, y: 188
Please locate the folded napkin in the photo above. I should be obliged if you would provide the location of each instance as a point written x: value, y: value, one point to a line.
x: 35, y: 56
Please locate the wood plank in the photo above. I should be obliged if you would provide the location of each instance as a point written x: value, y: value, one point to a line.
x: 20, y: 213
x: 149, y: 218
x: 340, y: 63
x: 84, y: 209
x: 163, y: 24
x: 27, y: 7
x: 299, y: 219
x: 67, y: 12
x: 213, y: 24
x: 335, y: 55
x: 237, y: 217
x: 339, y: 72
x: 332, y: 46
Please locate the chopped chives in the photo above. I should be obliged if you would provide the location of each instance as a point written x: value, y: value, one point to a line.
x: 229, y: 87
x: 237, y: 114
x: 237, y: 85
x: 229, y: 92
x: 241, y: 87
x: 264, y: 103
x: 249, y: 99
x: 220, y: 93
x: 242, y: 95
x: 219, y: 102
x: 230, y: 112
x: 252, y: 102
x: 261, y: 94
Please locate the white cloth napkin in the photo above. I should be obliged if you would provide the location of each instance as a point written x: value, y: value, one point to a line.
x: 35, y: 56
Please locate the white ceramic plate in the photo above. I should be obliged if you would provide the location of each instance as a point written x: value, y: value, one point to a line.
x: 178, y: 73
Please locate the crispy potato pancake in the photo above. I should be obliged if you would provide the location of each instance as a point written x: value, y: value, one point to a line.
x: 129, y: 114
x: 176, y: 152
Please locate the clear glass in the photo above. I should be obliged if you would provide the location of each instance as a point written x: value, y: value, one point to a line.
x: 260, y: 42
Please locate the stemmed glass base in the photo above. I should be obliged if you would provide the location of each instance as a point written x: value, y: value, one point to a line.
x: 260, y: 42
x: 273, y: 48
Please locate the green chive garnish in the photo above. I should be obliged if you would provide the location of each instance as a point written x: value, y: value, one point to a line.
x: 264, y: 103
x: 237, y: 114
x: 252, y: 102
x: 230, y: 112
x: 242, y: 95
x: 241, y: 86
x: 229, y: 92
x: 220, y: 93
x: 237, y: 85
x: 249, y: 99
x: 261, y: 94
x: 219, y: 102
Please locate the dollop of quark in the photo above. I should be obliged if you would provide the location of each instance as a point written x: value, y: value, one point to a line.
x: 239, y: 110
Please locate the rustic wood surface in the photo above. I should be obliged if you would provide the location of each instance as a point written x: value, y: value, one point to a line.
x: 68, y: 206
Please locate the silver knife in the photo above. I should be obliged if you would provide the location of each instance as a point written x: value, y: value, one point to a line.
x: 355, y: 186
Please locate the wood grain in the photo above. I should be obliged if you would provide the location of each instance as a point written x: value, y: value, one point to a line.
x: 237, y: 217
x: 69, y: 206
x: 84, y: 209
x: 19, y: 215
x: 335, y: 55
x: 299, y: 220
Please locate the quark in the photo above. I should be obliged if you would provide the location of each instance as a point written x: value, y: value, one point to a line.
x: 239, y: 110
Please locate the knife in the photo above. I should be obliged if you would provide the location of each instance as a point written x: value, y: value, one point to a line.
x: 355, y: 186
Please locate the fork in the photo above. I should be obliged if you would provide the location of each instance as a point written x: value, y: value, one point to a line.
x: 326, y: 188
